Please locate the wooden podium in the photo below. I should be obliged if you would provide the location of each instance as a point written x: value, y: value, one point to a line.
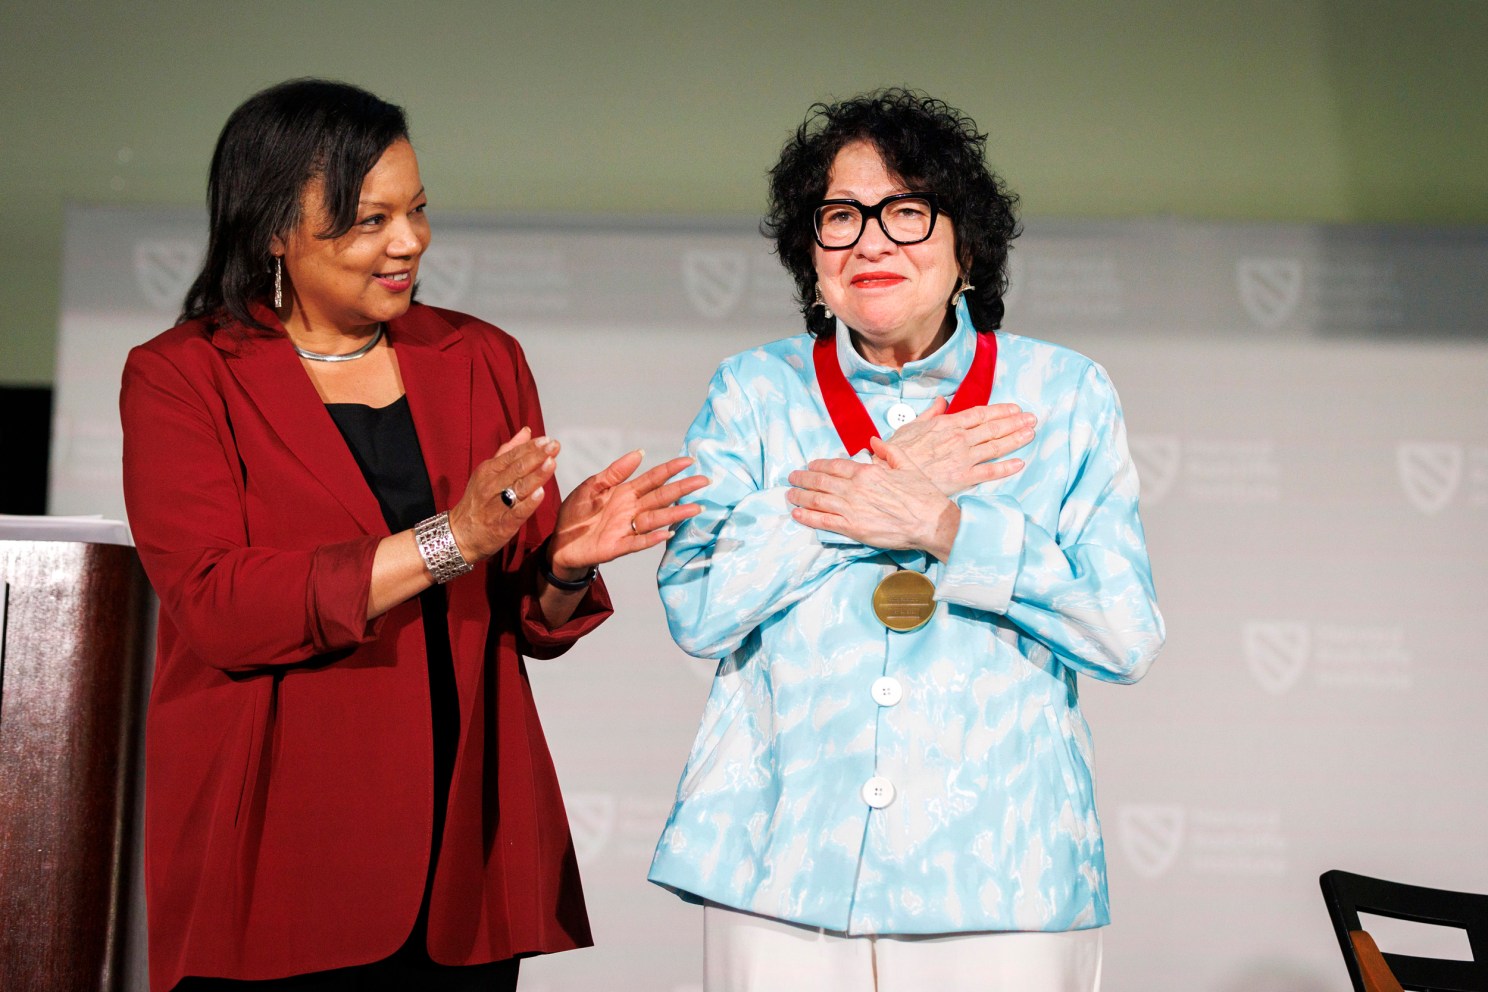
x: 72, y: 665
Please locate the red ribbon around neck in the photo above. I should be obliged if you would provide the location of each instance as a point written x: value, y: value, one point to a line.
x: 850, y: 417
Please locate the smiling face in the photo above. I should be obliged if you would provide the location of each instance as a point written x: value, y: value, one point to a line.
x: 343, y: 286
x: 893, y: 297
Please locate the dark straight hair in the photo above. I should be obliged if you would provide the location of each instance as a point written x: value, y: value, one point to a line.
x: 270, y: 148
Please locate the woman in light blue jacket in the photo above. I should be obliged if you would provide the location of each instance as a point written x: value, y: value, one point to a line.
x: 891, y: 785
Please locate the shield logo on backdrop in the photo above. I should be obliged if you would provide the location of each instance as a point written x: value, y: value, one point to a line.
x: 1276, y: 652
x: 163, y: 270
x: 715, y: 280
x: 1158, y: 458
x: 591, y: 820
x: 1430, y: 472
x: 1270, y: 288
x: 444, y: 275
x: 1151, y: 837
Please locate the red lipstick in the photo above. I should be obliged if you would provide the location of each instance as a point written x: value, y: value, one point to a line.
x: 876, y: 280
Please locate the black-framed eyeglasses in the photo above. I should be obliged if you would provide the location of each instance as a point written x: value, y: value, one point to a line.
x: 905, y: 218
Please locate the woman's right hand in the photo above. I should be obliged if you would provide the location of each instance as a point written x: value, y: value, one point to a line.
x: 481, y: 521
x: 960, y: 450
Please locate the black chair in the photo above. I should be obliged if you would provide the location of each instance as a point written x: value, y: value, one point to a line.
x: 1347, y: 895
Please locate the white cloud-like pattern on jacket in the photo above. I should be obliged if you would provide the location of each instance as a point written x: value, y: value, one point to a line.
x: 993, y: 825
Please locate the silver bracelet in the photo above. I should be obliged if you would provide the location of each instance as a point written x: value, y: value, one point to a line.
x: 436, y: 545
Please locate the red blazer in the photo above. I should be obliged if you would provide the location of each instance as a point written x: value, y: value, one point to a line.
x: 289, y: 763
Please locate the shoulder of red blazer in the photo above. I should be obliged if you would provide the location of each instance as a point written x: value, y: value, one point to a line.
x: 208, y: 339
x: 180, y: 343
x: 433, y: 324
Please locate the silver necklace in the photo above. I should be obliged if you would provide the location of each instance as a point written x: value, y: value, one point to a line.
x: 316, y: 356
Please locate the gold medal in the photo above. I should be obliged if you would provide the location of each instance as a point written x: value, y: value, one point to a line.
x: 904, y: 600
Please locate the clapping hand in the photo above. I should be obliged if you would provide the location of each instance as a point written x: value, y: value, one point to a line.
x: 607, y: 516
x: 503, y: 492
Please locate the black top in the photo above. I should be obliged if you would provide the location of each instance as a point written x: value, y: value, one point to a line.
x: 385, y: 445
x: 386, y: 448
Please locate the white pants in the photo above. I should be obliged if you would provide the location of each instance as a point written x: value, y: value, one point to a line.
x: 743, y: 952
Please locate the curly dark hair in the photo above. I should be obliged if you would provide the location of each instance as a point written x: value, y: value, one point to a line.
x: 926, y: 145
x: 274, y: 144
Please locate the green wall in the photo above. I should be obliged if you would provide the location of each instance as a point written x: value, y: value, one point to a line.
x: 1308, y: 110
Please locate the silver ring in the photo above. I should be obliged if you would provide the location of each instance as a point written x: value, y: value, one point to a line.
x: 633, y: 529
x: 509, y: 496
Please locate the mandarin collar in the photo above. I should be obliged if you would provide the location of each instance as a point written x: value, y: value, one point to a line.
x: 939, y: 372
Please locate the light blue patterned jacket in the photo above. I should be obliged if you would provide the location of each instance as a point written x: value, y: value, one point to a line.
x: 992, y: 822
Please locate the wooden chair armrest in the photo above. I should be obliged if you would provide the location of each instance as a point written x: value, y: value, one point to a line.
x: 1372, y: 968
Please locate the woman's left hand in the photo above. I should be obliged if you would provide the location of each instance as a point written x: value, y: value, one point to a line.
x: 886, y: 503
x: 606, y: 516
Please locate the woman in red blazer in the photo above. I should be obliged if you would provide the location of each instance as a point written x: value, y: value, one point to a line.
x: 345, y: 502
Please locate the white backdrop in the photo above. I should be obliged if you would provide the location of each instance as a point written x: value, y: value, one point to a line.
x: 1308, y: 409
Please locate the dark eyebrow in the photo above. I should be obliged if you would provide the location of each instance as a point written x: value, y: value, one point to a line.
x: 386, y: 206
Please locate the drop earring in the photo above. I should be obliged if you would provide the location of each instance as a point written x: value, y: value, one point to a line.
x: 819, y: 302
x: 278, y: 282
x: 961, y: 290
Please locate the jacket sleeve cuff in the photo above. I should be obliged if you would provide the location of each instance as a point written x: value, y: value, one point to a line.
x: 340, y: 582
x: 542, y: 641
x: 986, y: 555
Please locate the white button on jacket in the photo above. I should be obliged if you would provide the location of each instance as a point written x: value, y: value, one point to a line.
x: 899, y: 414
x: 878, y: 792
x: 887, y: 691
